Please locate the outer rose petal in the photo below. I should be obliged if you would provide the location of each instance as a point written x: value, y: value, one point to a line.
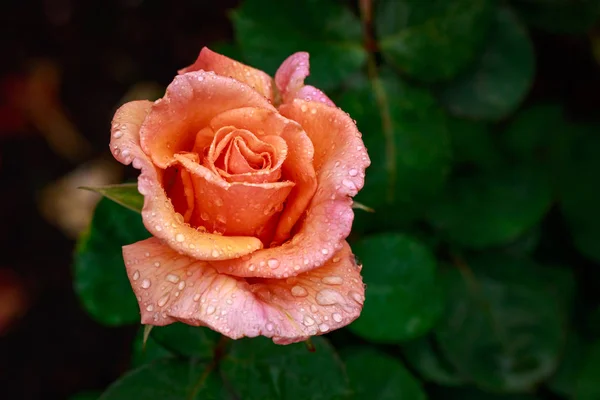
x: 191, y: 101
x: 158, y: 213
x: 172, y: 287
x: 208, y: 60
x: 340, y: 163
x: 289, y: 79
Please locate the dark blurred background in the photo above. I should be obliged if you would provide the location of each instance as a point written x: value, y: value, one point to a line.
x: 67, y: 65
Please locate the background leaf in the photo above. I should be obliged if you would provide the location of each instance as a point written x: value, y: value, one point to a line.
x: 415, y: 35
x: 500, y: 78
x: 100, y: 278
x: 385, y: 379
x: 331, y: 33
x: 258, y: 369
x: 405, y: 298
x: 187, y: 340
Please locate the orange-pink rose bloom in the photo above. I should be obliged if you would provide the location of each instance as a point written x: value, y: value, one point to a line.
x: 248, y: 186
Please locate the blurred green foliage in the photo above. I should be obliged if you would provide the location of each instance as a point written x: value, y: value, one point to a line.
x: 481, y: 259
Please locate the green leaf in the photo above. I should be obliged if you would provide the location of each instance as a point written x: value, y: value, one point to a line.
x: 432, y: 40
x: 258, y: 369
x: 168, y: 380
x: 429, y: 363
x: 152, y: 351
x: 125, y: 194
x: 404, y: 297
x: 559, y: 16
x: 500, y: 78
x: 580, y: 195
x: 588, y: 384
x: 495, y: 207
x: 376, y: 375
x: 503, y: 328
x: 472, y: 143
x: 100, y: 278
x: 410, y: 156
x: 187, y: 340
x: 470, y: 393
x: 268, y: 32
x: 564, y: 380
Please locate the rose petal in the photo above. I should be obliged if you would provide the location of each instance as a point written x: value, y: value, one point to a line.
x: 298, y: 166
x: 236, y: 208
x: 158, y: 214
x: 173, y: 287
x: 340, y: 161
x: 208, y: 60
x: 289, y: 80
x: 191, y: 101
x: 272, y: 147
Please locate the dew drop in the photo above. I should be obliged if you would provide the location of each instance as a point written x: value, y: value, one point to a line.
x: 356, y: 297
x: 303, y: 108
x: 229, y: 301
x: 308, y: 321
x: 204, y: 216
x: 179, y: 237
x: 157, y: 264
x: 136, y: 275
x: 325, y: 251
x: 158, y: 228
x: 270, y: 327
x: 299, y: 291
x: 218, y: 202
x: 252, y: 267
x: 181, y: 285
x: 172, y: 278
x: 146, y: 283
x: 328, y: 297
x: 273, y: 263
x: 197, y: 297
x: 215, y: 253
x: 150, y: 307
x: 353, y: 172
x: 332, y: 280
x: 337, y: 317
x: 210, y: 309
x: 313, y: 308
x: 163, y: 300
x: 323, y: 327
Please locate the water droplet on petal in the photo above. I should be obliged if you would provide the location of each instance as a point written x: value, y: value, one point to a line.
x: 323, y: 327
x: 157, y: 264
x: 215, y: 253
x: 150, y: 307
x: 145, y: 283
x: 328, y: 297
x: 163, y: 300
x: 210, y: 309
x: 356, y: 297
x: 308, y: 321
x: 172, y: 278
x: 181, y: 285
x: 269, y: 327
x: 179, y: 237
x: 273, y: 263
x: 337, y: 317
x: 332, y: 280
x: 197, y: 297
x: 299, y: 291
x: 136, y: 275
x: 229, y: 301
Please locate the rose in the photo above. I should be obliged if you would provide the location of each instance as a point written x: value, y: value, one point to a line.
x: 247, y: 186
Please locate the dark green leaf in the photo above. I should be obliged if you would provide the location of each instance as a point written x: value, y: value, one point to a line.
x: 187, y: 340
x: 588, y: 384
x: 404, y: 299
x: 580, y: 195
x: 500, y: 78
x: 378, y: 376
x: 492, y: 207
x: 152, y: 351
x: 100, y: 278
x: 564, y: 380
x: 410, y: 157
x: 429, y: 363
x: 470, y: 393
x: 432, y: 40
x: 472, y: 143
x: 503, y: 328
x: 125, y: 194
x: 559, y: 16
x: 258, y: 369
x: 331, y: 33
x: 86, y: 396
x: 168, y: 380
